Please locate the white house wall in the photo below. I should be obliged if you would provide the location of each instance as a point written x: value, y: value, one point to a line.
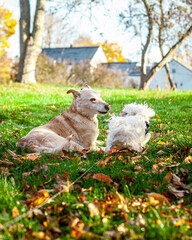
x: 99, y: 57
x: 182, y: 77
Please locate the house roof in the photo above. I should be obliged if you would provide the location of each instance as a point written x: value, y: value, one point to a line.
x: 123, y: 66
x: 130, y: 67
x: 72, y: 54
x: 182, y: 63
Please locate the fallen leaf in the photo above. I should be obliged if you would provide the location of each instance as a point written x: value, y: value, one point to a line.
x: 136, y: 157
x: 12, y: 153
x: 121, y: 228
x: 15, y: 212
x: 77, y: 224
x: 158, y: 197
x: 168, y: 177
x: 161, y: 143
x: 188, y: 159
x: 40, y: 236
x: 6, y: 163
x: 161, y: 152
x: 93, y: 209
x: 155, y: 136
x: 102, y: 177
x: 140, y: 221
x: 5, y: 171
x: 155, y: 168
x: 177, y: 193
x: 180, y: 222
x: 39, y: 198
x: 139, y: 168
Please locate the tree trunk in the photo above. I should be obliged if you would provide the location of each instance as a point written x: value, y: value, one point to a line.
x: 145, y: 50
x: 171, y: 82
x: 165, y: 59
x: 30, y: 44
x: 161, y: 27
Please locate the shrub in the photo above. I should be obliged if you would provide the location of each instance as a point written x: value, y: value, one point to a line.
x: 52, y: 72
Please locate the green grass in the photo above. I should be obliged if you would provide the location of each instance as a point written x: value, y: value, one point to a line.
x: 130, y: 215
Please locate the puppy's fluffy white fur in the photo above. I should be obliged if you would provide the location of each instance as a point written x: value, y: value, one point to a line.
x: 129, y: 130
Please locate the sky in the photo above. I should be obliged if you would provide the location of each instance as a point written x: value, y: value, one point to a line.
x: 100, y: 27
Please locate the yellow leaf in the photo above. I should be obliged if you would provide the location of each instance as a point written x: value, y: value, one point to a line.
x: 161, y: 143
x: 15, y: 212
x: 179, y: 222
x: 156, y: 198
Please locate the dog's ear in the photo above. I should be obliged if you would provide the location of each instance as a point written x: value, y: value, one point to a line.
x: 86, y: 86
x: 74, y: 92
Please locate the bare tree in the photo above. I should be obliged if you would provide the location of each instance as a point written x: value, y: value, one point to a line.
x: 172, y: 30
x: 161, y: 26
x: 57, y: 31
x: 30, y: 42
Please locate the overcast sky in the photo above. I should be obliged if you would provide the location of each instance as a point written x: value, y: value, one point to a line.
x: 102, y: 27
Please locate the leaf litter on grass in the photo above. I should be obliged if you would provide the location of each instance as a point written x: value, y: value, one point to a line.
x: 124, y: 195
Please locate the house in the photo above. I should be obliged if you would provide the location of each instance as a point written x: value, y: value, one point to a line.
x: 94, y: 55
x: 180, y: 72
x: 132, y: 69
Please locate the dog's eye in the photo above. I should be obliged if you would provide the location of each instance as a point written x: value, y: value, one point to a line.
x: 93, y: 100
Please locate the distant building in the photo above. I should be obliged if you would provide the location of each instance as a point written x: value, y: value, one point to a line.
x: 131, y: 68
x: 94, y: 55
x: 181, y: 74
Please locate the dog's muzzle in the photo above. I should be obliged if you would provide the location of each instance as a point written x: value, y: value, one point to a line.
x: 107, y: 107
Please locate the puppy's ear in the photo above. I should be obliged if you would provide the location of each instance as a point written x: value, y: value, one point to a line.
x: 74, y: 92
x: 86, y: 86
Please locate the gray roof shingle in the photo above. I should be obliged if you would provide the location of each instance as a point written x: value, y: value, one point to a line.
x: 72, y: 54
x: 130, y: 67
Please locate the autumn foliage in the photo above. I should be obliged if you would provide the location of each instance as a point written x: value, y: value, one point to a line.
x: 7, y: 29
x: 113, y: 52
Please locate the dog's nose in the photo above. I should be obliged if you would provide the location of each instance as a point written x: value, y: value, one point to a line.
x: 107, y: 107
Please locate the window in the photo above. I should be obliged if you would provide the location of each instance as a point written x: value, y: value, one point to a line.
x: 173, y: 70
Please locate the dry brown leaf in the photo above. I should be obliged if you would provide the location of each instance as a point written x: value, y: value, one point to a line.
x: 139, y: 168
x: 39, y: 198
x: 155, y: 168
x: 168, y: 177
x: 77, y: 224
x: 93, y: 209
x: 5, y: 171
x: 155, y: 136
x: 177, y: 193
x: 102, y: 177
x: 6, y: 163
x: 161, y: 152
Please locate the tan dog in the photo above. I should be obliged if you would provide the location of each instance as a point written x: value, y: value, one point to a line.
x: 74, y: 129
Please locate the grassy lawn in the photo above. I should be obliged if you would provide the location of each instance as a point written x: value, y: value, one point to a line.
x: 121, y: 195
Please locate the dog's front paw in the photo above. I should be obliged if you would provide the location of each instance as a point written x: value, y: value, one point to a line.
x: 96, y: 148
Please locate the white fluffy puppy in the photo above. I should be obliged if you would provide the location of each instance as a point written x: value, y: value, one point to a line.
x: 130, y: 129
